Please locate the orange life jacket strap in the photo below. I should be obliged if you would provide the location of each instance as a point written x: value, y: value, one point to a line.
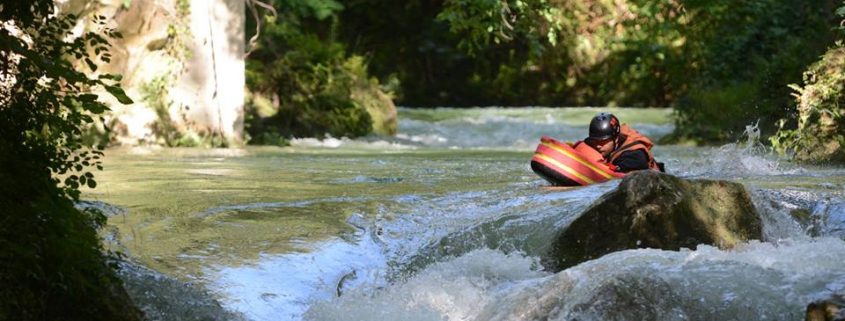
x: 634, y: 145
x: 628, y: 147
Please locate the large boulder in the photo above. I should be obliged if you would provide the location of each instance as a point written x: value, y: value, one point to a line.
x: 656, y: 210
x: 831, y: 309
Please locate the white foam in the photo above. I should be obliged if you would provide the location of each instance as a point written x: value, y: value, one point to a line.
x: 427, y: 139
x: 329, y: 142
x: 453, y: 290
x: 757, y: 280
x: 768, y: 280
x: 282, y: 287
x: 346, y: 143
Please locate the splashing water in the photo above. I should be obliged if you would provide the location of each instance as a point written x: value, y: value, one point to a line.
x: 280, y: 288
x: 454, y: 290
x: 748, y: 157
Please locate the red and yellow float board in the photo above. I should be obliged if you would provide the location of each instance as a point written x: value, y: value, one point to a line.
x: 563, y: 164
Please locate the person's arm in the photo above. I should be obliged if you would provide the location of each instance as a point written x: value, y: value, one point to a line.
x: 631, y: 161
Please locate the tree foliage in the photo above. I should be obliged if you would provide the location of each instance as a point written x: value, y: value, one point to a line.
x: 51, y: 264
x: 742, y: 58
x: 722, y: 63
x: 815, y: 129
x: 478, y: 24
x: 307, y: 73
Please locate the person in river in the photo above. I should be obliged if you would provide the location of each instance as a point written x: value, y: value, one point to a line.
x: 623, y: 148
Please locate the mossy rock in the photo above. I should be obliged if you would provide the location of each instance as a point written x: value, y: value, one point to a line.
x: 830, y: 309
x: 380, y: 107
x: 367, y: 93
x: 656, y: 210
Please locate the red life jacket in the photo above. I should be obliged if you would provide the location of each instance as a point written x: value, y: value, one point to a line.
x: 628, y: 140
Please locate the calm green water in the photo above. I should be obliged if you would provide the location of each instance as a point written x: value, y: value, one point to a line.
x: 189, y: 207
x: 446, y: 220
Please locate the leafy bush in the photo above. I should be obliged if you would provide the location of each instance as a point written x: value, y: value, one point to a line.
x: 814, y: 130
x: 819, y: 135
x: 309, y: 76
x: 51, y: 263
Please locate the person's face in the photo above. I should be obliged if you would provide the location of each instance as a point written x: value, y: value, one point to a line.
x: 603, y: 147
x: 606, y: 148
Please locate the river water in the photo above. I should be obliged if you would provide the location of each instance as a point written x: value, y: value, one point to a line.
x: 446, y: 221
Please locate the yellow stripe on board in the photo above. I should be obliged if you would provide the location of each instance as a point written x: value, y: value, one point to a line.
x: 580, y: 160
x: 564, y: 167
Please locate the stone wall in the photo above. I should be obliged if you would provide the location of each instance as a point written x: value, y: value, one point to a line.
x: 182, y: 63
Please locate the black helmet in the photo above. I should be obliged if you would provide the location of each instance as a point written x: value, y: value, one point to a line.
x: 604, y: 126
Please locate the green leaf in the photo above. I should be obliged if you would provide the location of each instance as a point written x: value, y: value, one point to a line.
x: 95, y: 107
x: 118, y: 93
x: 115, y: 77
x: 87, y: 97
x: 91, y: 64
x: 92, y: 183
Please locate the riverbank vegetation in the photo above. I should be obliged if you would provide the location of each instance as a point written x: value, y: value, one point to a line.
x: 52, y: 266
x: 815, y: 132
x: 721, y: 64
x: 303, y: 83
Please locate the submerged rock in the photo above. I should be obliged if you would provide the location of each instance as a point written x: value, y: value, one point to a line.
x: 831, y: 309
x: 828, y: 219
x: 656, y: 210
x: 163, y: 298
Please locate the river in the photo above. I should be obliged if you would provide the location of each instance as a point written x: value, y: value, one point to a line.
x: 447, y: 221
